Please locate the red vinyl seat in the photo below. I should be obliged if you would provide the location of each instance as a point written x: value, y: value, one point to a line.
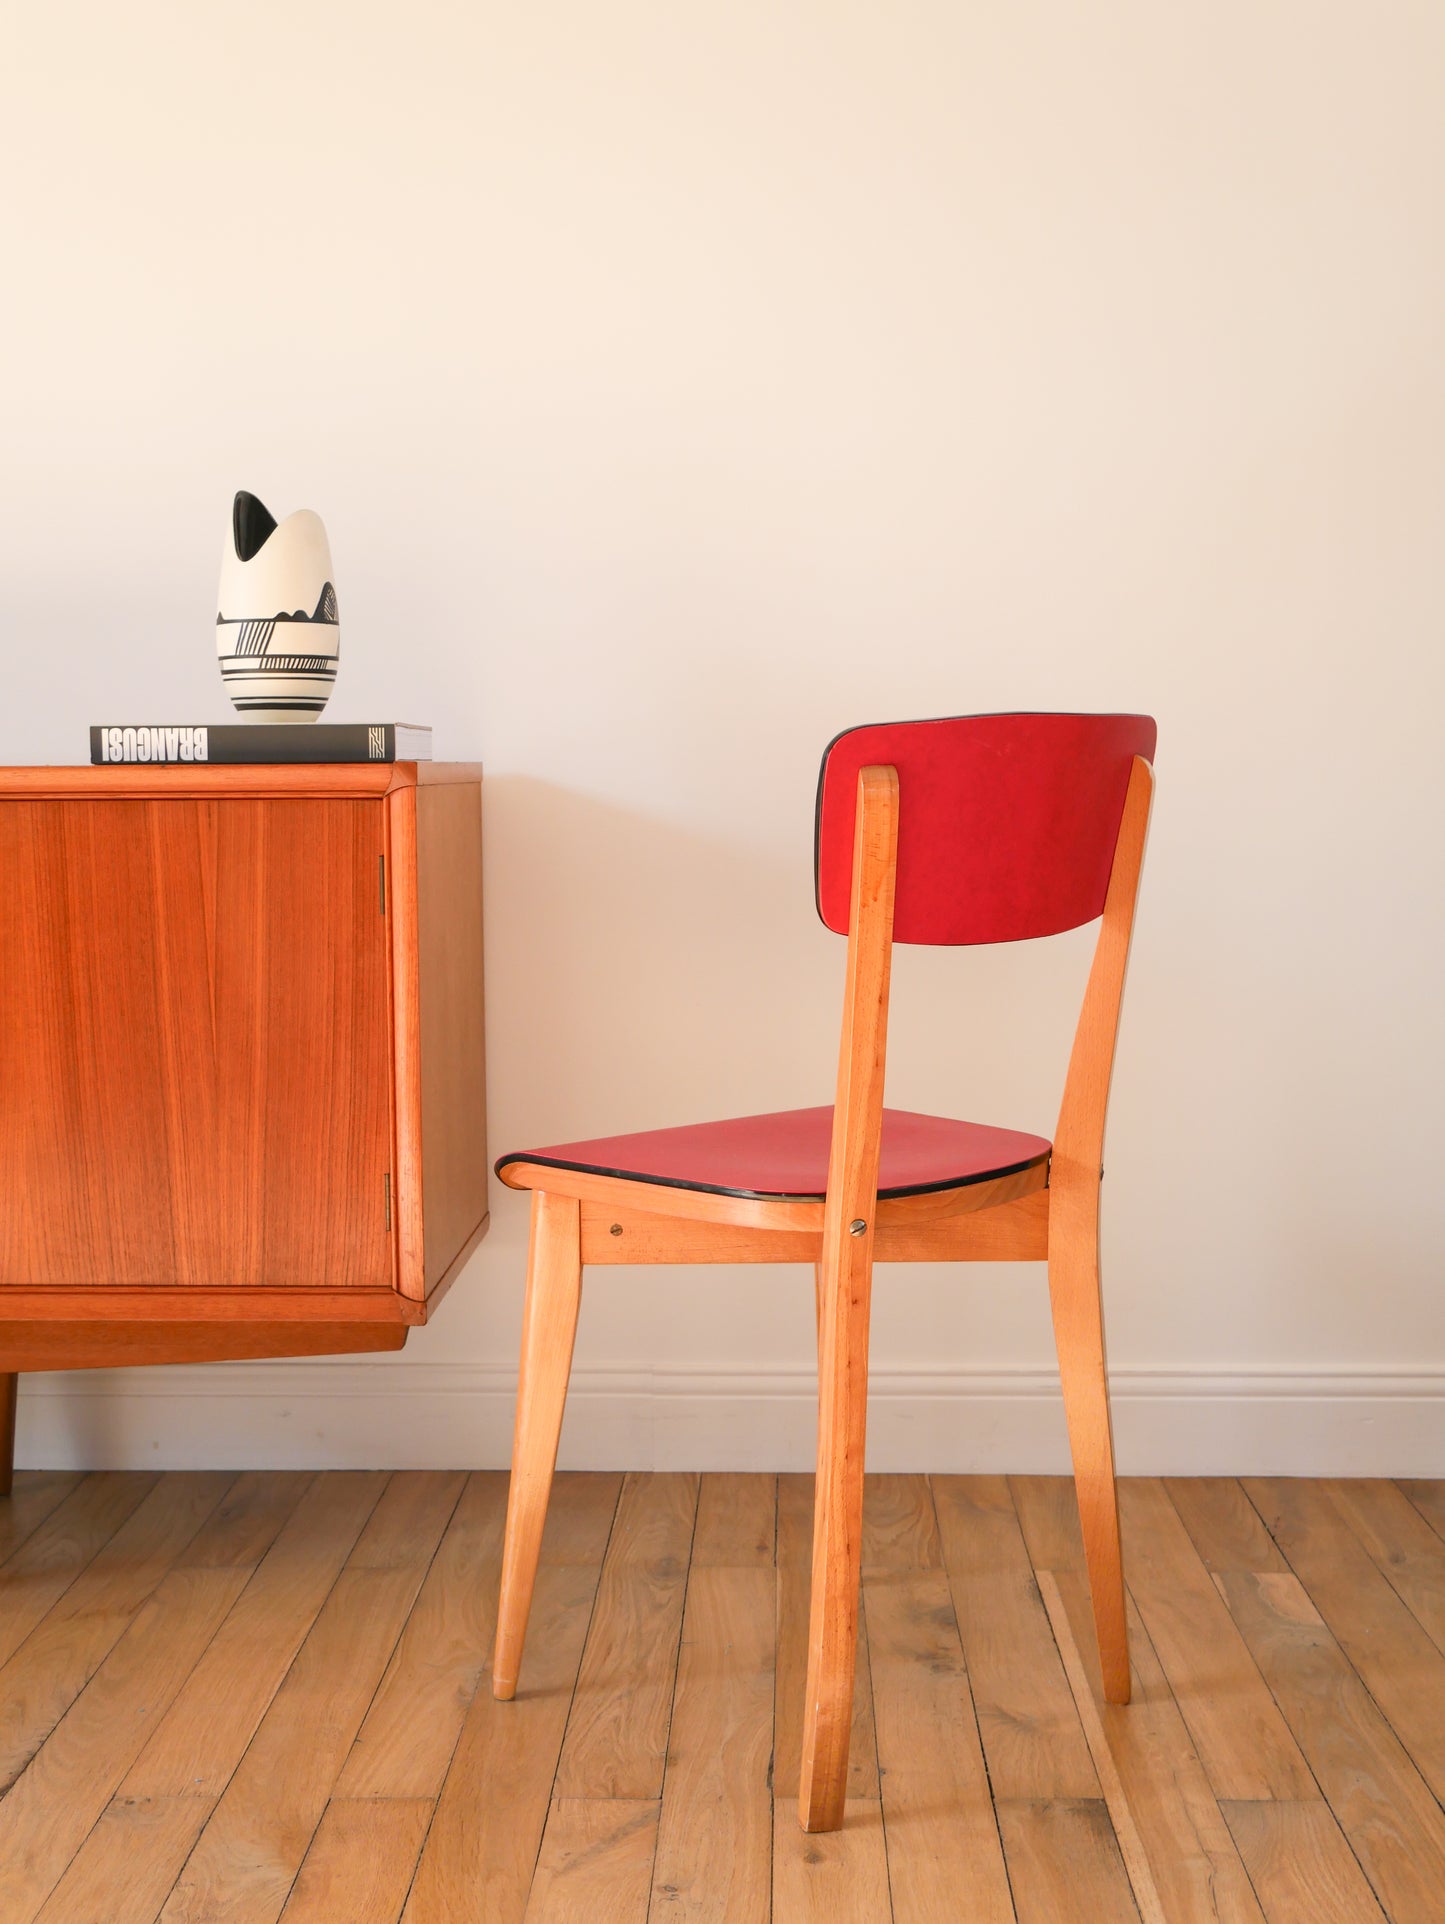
x: 785, y: 1156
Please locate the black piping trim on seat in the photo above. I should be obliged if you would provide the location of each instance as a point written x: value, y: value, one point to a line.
x: 769, y: 1195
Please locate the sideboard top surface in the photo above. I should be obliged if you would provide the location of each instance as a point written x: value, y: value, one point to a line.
x: 140, y: 781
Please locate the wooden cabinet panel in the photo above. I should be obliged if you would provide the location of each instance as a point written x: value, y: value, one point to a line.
x: 195, y: 1076
x: 449, y: 998
x: 234, y: 1003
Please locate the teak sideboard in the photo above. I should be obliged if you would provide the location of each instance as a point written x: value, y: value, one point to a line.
x: 242, y: 1100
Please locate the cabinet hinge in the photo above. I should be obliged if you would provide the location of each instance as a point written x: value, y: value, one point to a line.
x: 386, y: 1189
x: 381, y: 874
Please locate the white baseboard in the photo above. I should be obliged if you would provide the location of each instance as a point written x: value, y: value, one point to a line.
x: 391, y: 1413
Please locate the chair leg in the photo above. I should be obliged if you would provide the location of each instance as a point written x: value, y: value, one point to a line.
x: 9, y: 1388
x: 1079, y: 1334
x: 549, y: 1327
x: 844, y: 1290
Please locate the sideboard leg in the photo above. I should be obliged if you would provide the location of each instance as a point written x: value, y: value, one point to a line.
x: 9, y: 1385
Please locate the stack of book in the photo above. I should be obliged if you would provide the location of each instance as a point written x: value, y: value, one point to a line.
x: 261, y: 742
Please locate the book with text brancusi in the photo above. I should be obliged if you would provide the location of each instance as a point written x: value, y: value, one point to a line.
x: 241, y: 742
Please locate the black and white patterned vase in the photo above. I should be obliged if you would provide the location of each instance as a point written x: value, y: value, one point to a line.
x: 276, y: 627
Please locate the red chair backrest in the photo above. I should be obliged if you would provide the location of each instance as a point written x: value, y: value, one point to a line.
x: 1006, y: 823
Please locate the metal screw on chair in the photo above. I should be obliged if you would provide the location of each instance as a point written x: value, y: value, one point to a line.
x: 858, y: 1227
x: 616, y: 1230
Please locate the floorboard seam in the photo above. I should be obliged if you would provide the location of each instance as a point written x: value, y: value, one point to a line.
x: 1340, y: 1825
x: 1116, y: 1800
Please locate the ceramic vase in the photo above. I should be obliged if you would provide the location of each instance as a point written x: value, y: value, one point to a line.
x: 276, y: 627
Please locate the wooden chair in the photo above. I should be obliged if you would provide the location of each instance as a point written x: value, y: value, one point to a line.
x: 989, y: 828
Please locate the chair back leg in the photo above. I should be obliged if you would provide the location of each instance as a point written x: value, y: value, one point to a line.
x: 549, y: 1328
x: 844, y: 1279
x: 1079, y: 1334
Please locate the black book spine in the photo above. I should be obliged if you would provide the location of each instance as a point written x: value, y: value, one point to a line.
x: 246, y: 742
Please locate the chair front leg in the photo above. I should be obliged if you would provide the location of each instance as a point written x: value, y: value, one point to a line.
x: 1078, y: 1314
x: 845, y: 1280
x: 549, y: 1328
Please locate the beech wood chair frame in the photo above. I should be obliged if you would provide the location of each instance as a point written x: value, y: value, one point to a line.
x: 1047, y: 1213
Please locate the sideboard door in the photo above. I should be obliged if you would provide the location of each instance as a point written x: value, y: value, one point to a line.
x: 195, y: 1080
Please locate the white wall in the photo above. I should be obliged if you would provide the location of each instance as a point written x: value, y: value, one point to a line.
x: 682, y: 383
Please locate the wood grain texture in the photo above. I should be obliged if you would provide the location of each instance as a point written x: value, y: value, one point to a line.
x: 404, y: 1529
x: 615, y: 1233
x: 934, y: 1207
x: 52, y: 1667
x: 690, y: 1205
x: 1006, y: 1229
x: 939, y: 1220
x: 45, y: 1565
x: 1242, y: 1740
x: 452, y: 1047
x: 404, y: 1017
x: 439, y: 1290
x: 900, y: 1530
x: 845, y: 1283
x: 737, y: 1521
x: 1197, y: 1869
x: 831, y: 1877
x: 581, y: 1515
x: 151, y: 1796
x: 1121, y: 1815
x: 1027, y: 1717
x: 1013, y: 1228
x: 1427, y: 1494
x: 1064, y: 1864
x: 477, y: 1864
x: 244, y: 1524
x: 1386, y: 1645
x: 1177, y: 1849
x: 265, y: 781
x: 1402, y: 1544
x: 1224, y: 1526
x: 1048, y: 1512
x: 411, y: 1729
x: 254, y: 1843
x: 189, y: 985
x: 114, y: 1305
x: 595, y: 1862
x: 1076, y: 1170
x: 617, y: 1733
x: 34, y: 1495
x: 123, y: 1870
x: 1300, y: 1864
x: 714, y: 1843
x: 938, y: 1820
x: 549, y: 1330
x: 360, y: 1863
x: 198, y: 960
x: 73, y: 1343
x: 46, y: 1815
x: 198, y: 1744
x: 211, y: 782
x: 1394, y: 1826
x: 795, y: 1539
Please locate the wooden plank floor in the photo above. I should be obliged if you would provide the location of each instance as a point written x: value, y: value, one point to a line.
x: 243, y: 1699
